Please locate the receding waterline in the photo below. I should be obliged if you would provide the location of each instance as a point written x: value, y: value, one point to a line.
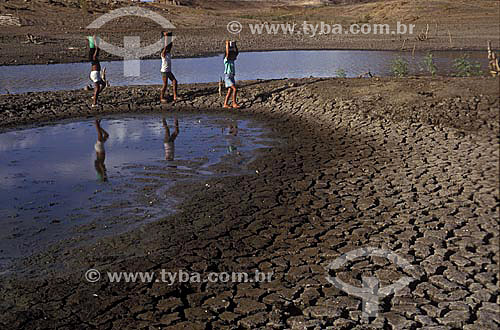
x: 250, y: 65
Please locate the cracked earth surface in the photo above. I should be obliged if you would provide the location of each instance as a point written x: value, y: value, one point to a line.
x: 409, y: 166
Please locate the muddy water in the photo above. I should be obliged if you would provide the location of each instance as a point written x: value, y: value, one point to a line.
x: 250, y: 65
x: 60, y: 183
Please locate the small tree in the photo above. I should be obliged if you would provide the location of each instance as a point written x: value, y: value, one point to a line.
x: 429, y: 64
x: 464, y: 67
x: 399, y: 67
x: 341, y: 73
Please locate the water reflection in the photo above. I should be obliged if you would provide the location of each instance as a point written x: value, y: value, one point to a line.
x: 169, y: 141
x: 49, y: 189
x: 102, y: 137
x: 230, y: 133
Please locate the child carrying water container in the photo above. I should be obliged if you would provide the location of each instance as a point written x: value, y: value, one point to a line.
x: 229, y: 72
x: 166, y: 68
x: 98, y: 78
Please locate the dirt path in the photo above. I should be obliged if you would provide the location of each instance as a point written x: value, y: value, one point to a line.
x: 366, y: 164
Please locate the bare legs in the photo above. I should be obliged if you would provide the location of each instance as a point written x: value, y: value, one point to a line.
x: 174, y: 87
x: 163, y: 88
x: 167, y: 131
x: 165, y: 77
x: 98, y: 88
x: 226, y: 100
x: 102, y: 135
x: 231, y: 90
x: 168, y: 137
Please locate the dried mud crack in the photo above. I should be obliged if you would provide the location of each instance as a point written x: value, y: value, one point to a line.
x: 366, y: 163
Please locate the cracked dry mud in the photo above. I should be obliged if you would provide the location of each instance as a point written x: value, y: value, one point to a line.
x: 366, y: 163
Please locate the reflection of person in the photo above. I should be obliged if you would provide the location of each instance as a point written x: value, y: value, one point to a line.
x: 166, y: 68
x: 233, y: 129
x: 169, y: 141
x: 231, y: 133
x: 229, y: 72
x: 95, y: 73
x: 102, y: 137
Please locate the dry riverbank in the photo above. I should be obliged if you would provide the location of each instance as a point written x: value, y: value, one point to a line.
x: 58, y: 27
x: 407, y: 165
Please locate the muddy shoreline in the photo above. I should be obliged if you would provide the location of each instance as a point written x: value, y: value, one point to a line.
x: 449, y: 98
x: 408, y: 165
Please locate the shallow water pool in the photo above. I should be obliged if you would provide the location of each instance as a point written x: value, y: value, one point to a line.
x: 78, y: 180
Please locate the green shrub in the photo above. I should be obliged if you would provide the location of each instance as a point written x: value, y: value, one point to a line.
x: 464, y: 67
x: 429, y: 64
x: 341, y: 73
x: 399, y: 67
